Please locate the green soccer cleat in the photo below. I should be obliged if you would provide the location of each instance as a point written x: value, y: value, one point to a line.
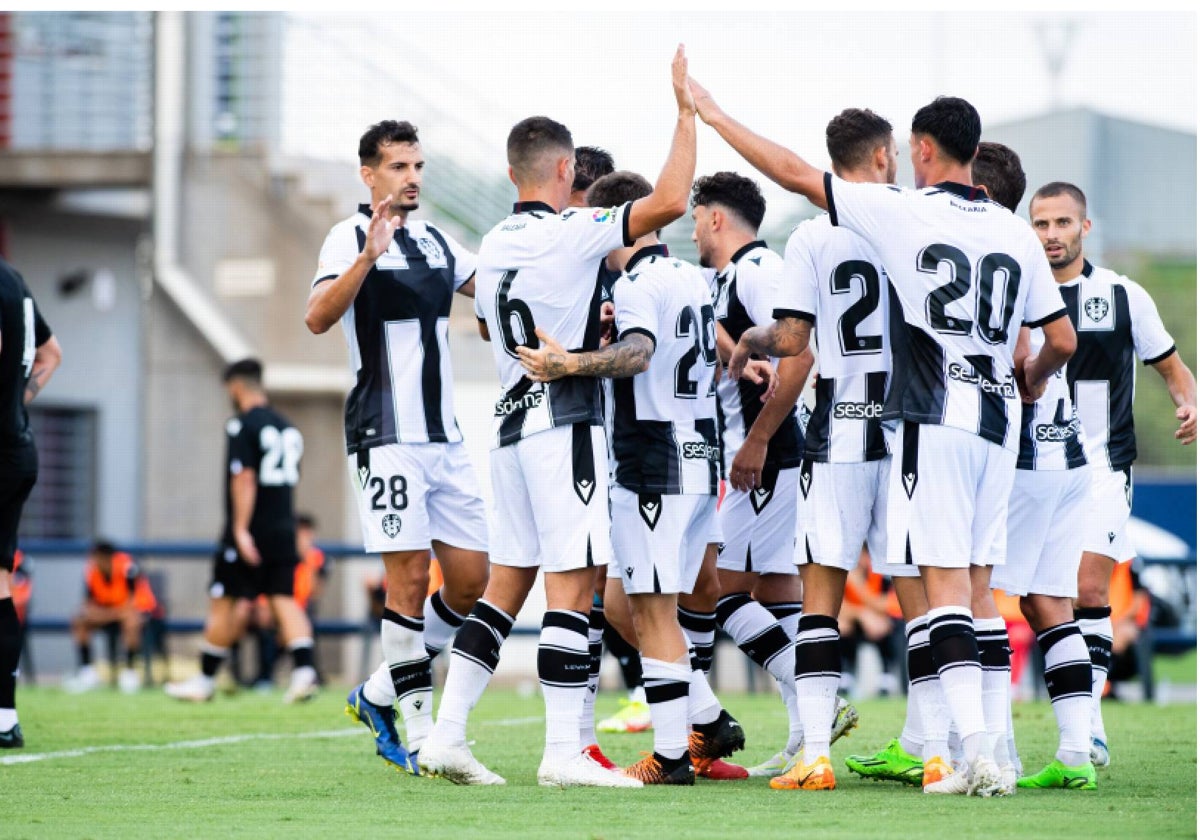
x: 891, y: 764
x: 1058, y: 775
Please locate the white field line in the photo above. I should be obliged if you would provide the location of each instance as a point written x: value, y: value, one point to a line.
x: 202, y: 743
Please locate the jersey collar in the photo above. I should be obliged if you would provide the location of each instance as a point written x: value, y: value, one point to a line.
x: 1087, y: 269
x: 744, y: 250
x: 659, y: 250
x: 963, y: 191
x: 533, y: 206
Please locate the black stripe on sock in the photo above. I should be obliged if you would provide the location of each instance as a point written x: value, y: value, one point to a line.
x: 665, y: 691
x: 417, y: 625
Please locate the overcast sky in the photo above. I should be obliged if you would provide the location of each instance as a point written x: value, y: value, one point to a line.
x: 466, y: 78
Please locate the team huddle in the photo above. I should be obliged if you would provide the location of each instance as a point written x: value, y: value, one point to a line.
x: 653, y: 458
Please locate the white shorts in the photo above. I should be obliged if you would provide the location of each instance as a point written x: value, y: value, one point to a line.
x: 759, y: 527
x: 659, y: 540
x: 1107, y: 514
x: 1044, y: 538
x: 550, y: 500
x: 947, y: 498
x: 410, y: 494
x: 845, y: 506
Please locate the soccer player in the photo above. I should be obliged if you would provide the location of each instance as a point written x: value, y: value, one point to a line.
x: 997, y: 169
x: 537, y: 270
x: 257, y: 553
x: 762, y: 446
x: 667, y: 474
x: 965, y: 276
x: 115, y: 593
x: 29, y: 355
x: 591, y: 164
x: 390, y: 280
x: 1116, y: 321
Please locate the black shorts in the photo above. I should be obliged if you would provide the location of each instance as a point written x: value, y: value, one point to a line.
x: 18, y: 474
x: 233, y: 577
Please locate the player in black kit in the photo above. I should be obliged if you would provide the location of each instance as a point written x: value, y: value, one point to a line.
x: 29, y: 354
x: 257, y: 555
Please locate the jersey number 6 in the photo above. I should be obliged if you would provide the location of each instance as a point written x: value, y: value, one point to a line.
x: 513, y: 310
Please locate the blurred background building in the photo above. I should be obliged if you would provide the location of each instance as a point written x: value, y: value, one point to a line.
x: 166, y: 229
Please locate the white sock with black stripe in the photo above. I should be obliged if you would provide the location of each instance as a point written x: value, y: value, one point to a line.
x: 563, y: 672
x: 818, y: 671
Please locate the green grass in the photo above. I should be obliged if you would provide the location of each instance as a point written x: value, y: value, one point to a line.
x: 336, y: 787
x: 1179, y: 668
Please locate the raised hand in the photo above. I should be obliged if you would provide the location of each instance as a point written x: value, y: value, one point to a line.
x: 380, y: 230
x: 679, y: 81
x: 706, y: 107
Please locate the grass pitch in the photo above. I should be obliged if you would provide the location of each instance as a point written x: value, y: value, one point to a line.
x: 254, y: 768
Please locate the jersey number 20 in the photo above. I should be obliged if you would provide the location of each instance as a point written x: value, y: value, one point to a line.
x: 961, y: 283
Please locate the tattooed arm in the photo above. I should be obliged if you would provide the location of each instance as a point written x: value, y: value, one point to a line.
x: 786, y: 337
x: 627, y: 357
x: 46, y: 360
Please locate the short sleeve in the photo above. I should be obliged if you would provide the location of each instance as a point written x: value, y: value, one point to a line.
x: 338, y: 253
x: 758, y: 287
x: 1151, y: 341
x: 243, y: 446
x: 796, y: 296
x: 464, y: 260
x: 594, y: 231
x: 1044, y: 302
x: 636, y: 308
x: 867, y: 209
x: 479, y: 313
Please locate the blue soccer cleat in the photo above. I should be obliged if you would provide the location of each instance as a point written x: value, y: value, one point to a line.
x: 381, y: 721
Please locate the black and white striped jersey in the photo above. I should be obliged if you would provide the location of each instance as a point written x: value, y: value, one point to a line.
x: 744, y: 297
x: 964, y: 274
x: 1115, y: 321
x: 537, y: 269
x: 397, y: 330
x: 665, y: 419
x: 833, y: 279
x: 1051, y: 437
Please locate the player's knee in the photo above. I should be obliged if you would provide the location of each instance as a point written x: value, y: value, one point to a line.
x: 706, y: 592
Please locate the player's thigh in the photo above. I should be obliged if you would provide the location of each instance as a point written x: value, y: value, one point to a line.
x: 232, y: 577
x: 1107, y: 516
x: 455, y: 507
x: 989, y: 525
x: 651, y: 541
x: 839, y: 501
x: 390, y: 485
x: 877, y: 533
x: 1057, y: 573
x: 569, y: 505
x: 1030, y: 516
x: 511, y: 528
x: 932, y: 491
x: 277, y: 572
x: 18, y: 474
x: 758, y: 528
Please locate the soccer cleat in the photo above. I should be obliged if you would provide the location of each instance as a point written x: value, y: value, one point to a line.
x: 455, y: 763
x: 1058, y: 775
x: 199, y: 689
x: 381, y: 720
x: 597, y: 755
x: 634, y: 716
x: 935, y: 771
x: 893, y: 763
x: 776, y: 765
x: 721, y: 738
x: 86, y: 679
x: 718, y: 770
x: 302, y: 686
x: 580, y: 770
x: 1099, y: 753
x: 818, y: 775
x: 844, y: 719
x: 651, y: 770
x: 129, y: 681
x: 12, y: 739
x: 985, y: 778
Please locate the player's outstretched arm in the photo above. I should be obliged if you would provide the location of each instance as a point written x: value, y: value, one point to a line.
x: 46, y: 360
x: 330, y: 299
x: 786, y: 337
x: 781, y: 165
x: 627, y: 357
x: 1181, y: 385
x: 669, y: 200
x: 1057, y: 350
